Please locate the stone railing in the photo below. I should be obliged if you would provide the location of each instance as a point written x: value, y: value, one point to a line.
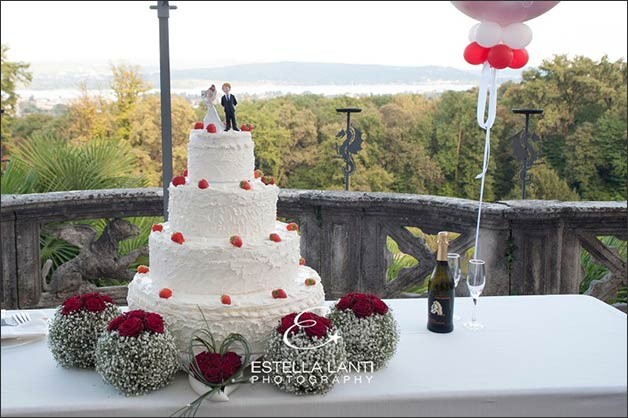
x: 530, y: 247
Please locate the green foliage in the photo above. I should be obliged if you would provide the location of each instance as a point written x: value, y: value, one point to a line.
x: 545, y: 184
x: 57, y: 250
x: 583, y: 127
x: 56, y: 165
x: 595, y: 271
x: 13, y: 73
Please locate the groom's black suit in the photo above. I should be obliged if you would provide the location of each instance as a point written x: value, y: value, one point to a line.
x: 229, y: 105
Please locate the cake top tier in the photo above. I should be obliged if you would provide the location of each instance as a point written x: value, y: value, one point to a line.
x: 221, y: 158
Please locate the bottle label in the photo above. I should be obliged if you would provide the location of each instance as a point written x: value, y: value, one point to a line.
x: 440, y: 311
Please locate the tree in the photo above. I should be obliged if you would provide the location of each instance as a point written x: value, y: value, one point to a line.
x: 545, y: 184
x: 13, y: 73
x: 128, y: 85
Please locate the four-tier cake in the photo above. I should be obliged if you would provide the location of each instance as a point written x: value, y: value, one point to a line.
x: 223, y: 252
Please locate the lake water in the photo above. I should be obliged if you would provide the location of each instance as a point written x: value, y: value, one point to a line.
x: 264, y: 90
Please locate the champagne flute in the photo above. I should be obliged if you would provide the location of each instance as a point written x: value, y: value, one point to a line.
x: 453, y: 259
x: 476, y: 279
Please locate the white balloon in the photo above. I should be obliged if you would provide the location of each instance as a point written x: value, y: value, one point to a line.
x: 472, y: 32
x: 488, y: 34
x: 517, y: 36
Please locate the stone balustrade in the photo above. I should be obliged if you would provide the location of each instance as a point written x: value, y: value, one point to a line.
x: 530, y: 247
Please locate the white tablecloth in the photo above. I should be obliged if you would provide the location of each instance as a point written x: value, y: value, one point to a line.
x: 562, y: 355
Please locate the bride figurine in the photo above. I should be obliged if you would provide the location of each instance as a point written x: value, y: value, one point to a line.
x: 209, y: 96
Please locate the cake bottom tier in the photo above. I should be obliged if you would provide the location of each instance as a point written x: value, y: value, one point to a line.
x: 253, y: 315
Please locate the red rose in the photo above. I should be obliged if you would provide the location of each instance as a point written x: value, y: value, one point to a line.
x: 115, y: 323
x: 379, y: 305
x: 231, y: 362
x: 138, y: 313
x: 318, y: 330
x: 217, y: 368
x: 326, y: 321
x: 95, y: 304
x: 132, y: 327
x: 106, y: 298
x: 154, y: 322
x: 345, y: 303
x: 286, y: 322
x: 72, y: 305
x: 363, y: 308
x: 212, y: 374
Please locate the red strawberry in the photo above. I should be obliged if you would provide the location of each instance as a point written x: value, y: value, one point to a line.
x: 258, y: 173
x: 211, y: 128
x: 203, y: 184
x: 142, y: 269
x: 244, y: 184
x: 236, y: 241
x: 225, y: 299
x: 279, y: 294
x: 275, y: 237
x: 178, y: 238
x: 310, y: 281
x: 302, y: 261
x: 292, y: 226
x: 199, y: 125
x: 185, y: 172
x: 158, y: 227
x: 178, y: 180
x: 244, y: 128
x: 268, y: 180
x: 165, y: 293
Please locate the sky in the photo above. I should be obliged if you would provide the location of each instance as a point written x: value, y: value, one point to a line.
x: 213, y: 34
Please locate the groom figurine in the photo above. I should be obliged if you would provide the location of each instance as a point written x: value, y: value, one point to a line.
x: 229, y: 103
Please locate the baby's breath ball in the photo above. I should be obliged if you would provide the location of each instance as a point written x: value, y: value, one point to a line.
x: 76, y: 326
x: 309, y: 363
x: 136, y: 354
x: 367, y: 327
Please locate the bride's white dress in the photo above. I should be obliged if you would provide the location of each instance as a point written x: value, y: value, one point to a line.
x: 212, y: 114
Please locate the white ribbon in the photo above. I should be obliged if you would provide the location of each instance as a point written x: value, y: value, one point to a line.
x: 487, y: 84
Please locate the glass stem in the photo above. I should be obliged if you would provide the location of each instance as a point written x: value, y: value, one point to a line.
x: 474, y: 315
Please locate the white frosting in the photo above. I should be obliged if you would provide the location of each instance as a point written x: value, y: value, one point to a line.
x: 221, y: 213
x: 253, y: 315
x: 207, y: 265
x: 223, y: 157
x: 200, y: 266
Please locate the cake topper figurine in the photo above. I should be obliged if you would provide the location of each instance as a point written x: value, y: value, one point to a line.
x: 209, y: 96
x: 229, y: 103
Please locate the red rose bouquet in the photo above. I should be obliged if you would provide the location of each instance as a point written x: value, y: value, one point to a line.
x: 368, y: 328
x: 75, y: 327
x: 310, y: 344
x: 136, y: 354
x: 214, y: 370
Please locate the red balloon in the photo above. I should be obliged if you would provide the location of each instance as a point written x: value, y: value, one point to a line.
x: 519, y: 58
x: 475, y: 53
x: 500, y: 56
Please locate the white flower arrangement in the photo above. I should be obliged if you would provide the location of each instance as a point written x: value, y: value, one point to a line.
x: 75, y: 328
x: 136, y: 354
x: 304, y: 355
x: 368, y: 328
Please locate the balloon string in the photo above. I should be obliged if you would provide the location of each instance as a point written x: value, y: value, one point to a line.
x: 487, y: 83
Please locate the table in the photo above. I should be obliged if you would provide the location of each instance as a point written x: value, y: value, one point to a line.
x: 558, y: 355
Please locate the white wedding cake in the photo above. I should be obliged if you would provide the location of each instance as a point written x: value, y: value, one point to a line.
x: 223, y: 250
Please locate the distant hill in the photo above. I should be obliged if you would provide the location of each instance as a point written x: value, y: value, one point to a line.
x: 284, y: 73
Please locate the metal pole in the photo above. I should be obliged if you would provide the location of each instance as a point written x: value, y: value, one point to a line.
x: 347, y: 177
x: 163, y: 13
x: 525, y: 144
x: 525, y: 159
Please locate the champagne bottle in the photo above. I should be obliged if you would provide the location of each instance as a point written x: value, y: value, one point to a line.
x: 440, y: 300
